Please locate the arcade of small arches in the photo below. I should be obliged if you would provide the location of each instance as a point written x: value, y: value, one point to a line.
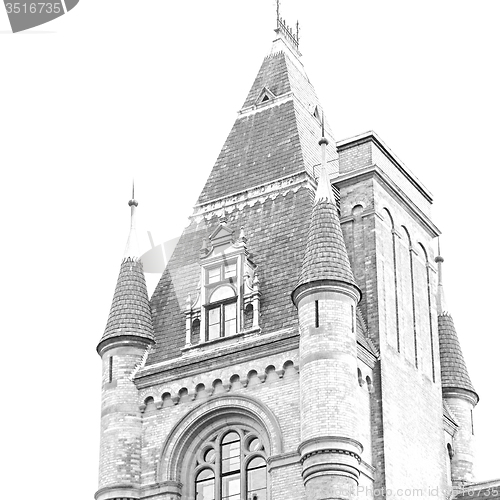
x: 167, y: 398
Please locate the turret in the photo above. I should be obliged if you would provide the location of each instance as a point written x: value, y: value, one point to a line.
x: 326, y: 297
x: 123, y: 346
x: 458, y: 392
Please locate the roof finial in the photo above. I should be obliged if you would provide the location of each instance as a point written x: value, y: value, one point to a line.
x: 324, y: 190
x: 132, y: 247
x: 285, y: 30
x: 133, y: 201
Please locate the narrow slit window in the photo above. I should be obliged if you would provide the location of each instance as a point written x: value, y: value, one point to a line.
x: 316, y: 311
x: 110, y: 369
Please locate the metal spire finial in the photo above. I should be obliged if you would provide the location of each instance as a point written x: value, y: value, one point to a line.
x: 285, y: 30
x: 132, y: 247
x: 323, y: 139
x: 133, y: 201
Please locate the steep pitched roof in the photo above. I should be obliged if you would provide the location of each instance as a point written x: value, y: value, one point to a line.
x: 454, y: 374
x: 274, y: 139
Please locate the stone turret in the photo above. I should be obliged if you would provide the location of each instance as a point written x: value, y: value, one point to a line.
x: 128, y: 334
x: 326, y: 297
x: 458, y: 392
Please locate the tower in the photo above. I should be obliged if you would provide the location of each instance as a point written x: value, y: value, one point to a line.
x: 295, y: 346
x: 122, y: 347
x: 327, y: 297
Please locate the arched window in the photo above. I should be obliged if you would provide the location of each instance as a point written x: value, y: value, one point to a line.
x: 221, y: 313
x: 231, y: 465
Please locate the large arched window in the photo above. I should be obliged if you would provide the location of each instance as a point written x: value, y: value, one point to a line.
x: 231, y: 465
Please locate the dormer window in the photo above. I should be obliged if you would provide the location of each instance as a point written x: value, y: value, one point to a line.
x: 228, y: 289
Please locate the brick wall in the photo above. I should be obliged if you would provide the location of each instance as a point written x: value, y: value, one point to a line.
x: 408, y: 438
x: 277, y: 390
x: 121, y: 426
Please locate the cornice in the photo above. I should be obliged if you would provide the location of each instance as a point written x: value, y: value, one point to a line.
x: 375, y: 171
x: 199, y: 362
x: 465, y: 394
x: 260, y: 193
x: 371, y: 136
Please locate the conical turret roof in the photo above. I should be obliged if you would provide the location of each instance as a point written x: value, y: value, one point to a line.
x: 326, y: 256
x: 454, y: 373
x: 130, y: 314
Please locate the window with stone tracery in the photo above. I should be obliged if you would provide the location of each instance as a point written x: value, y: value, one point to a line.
x: 231, y: 465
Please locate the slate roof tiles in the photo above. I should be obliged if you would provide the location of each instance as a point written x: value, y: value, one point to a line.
x: 454, y: 374
x: 130, y: 312
x: 326, y: 255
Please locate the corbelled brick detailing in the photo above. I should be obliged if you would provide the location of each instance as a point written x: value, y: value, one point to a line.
x: 185, y: 390
x: 130, y: 313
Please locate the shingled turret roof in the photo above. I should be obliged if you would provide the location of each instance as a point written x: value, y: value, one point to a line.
x: 130, y: 314
x: 326, y: 256
x: 454, y: 373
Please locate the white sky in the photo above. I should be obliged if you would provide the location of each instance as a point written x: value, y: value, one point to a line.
x: 150, y: 90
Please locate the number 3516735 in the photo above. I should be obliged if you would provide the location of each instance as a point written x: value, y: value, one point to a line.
x: 33, y: 8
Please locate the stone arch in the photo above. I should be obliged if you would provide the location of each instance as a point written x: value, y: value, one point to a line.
x: 209, y: 416
x: 357, y: 210
x: 387, y: 216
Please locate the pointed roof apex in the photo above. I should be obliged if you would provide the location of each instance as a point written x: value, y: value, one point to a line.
x: 132, y: 246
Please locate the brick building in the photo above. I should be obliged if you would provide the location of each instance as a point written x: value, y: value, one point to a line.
x: 297, y: 345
